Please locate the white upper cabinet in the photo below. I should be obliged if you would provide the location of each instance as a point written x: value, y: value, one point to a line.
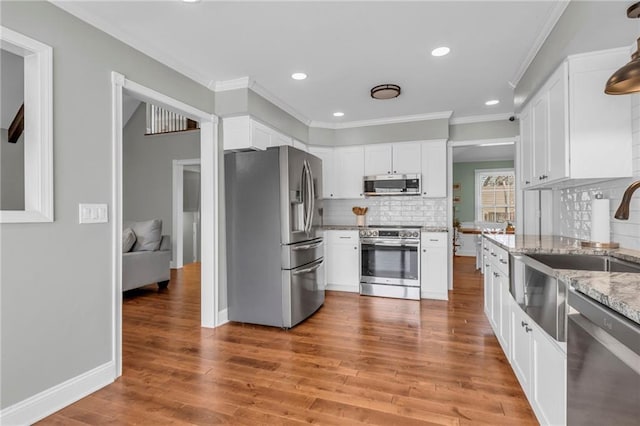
x: 326, y: 154
x: 241, y: 133
x: 378, y: 159
x: 392, y: 158
x: 406, y: 157
x: 433, y: 156
x: 349, y: 170
x: 577, y: 132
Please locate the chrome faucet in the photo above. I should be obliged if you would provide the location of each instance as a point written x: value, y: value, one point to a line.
x: 623, y: 210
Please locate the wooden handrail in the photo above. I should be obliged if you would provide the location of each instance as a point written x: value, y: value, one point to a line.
x: 17, y: 126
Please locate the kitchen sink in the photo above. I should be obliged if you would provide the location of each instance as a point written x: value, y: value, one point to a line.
x: 585, y: 262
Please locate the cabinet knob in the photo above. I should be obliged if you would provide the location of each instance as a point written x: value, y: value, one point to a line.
x: 526, y: 182
x: 524, y: 324
x: 395, y: 171
x: 528, y: 329
x: 424, y: 250
x: 487, y: 265
x: 504, y: 262
x: 388, y: 172
x: 424, y: 193
x: 495, y: 274
x: 332, y: 195
x: 355, y: 248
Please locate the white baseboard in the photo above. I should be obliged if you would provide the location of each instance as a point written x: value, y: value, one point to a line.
x: 47, y: 402
x: 434, y: 295
x: 223, y: 316
x: 347, y: 288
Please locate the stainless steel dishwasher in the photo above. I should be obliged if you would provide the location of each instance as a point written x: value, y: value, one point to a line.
x: 603, y: 365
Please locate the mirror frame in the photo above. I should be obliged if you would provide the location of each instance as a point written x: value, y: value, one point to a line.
x: 38, y: 128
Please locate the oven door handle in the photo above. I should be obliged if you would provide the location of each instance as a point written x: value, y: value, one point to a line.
x: 393, y: 243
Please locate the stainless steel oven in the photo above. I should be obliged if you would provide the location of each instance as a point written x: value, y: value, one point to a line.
x: 390, y: 262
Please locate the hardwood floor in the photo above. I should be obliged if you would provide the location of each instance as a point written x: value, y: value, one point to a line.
x: 357, y: 360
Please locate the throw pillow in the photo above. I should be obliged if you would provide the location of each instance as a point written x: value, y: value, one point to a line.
x: 148, y: 235
x: 128, y: 240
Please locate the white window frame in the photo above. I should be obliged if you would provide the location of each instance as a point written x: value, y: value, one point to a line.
x: 38, y: 128
x: 478, y: 197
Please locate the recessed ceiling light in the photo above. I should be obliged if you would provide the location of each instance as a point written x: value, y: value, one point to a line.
x: 492, y: 102
x: 298, y: 76
x: 338, y: 114
x: 440, y: 51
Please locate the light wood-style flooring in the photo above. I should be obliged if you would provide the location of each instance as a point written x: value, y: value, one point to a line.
x: 357, y: 360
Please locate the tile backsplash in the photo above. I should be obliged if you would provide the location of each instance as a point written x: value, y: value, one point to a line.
x: 397, y: 210
x: 573, y: 215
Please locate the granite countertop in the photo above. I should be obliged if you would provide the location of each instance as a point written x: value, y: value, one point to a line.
x: 357, y: 228
x: 616, y: 290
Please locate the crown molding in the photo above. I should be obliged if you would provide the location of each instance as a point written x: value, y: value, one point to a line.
x: 223, y: 86
x: 480, y: 118
x: 380, y: 121
x: 76, y: 9
x: 546, y: 29
x: 260, y: 90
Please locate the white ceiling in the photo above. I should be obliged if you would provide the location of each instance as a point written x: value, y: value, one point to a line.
x: 345, y: 47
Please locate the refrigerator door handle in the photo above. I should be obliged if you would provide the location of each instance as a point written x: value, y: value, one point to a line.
x: 311, y: 269
x: 308, y: 192
x: 312, y: 191
x: 303, y: 193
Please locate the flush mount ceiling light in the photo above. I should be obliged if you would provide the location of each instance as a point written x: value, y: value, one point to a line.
x: 385, y: 91
x: 440, y: 51
x: 492, y: 102
x: 627, y: 79
x: 298, y: 76
x: 338, y: 114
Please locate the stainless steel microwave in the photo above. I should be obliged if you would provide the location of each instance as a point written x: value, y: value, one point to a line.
x: 408, y: 184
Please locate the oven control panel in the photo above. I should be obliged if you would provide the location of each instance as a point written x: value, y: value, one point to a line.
x: 390, y: 233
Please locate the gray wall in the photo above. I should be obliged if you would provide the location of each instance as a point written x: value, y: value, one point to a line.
x: 147, y: 169
x: 55, y: 310
x: 585, y: 26
x: 11, y: 173
x: 484, y: 130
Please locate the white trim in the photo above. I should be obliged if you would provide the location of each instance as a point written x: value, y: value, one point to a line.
x: 485, y: 142
x: 208, y: 193
x: 223, y: 86
x: 223, y: 316
x: 546, y: 29
x: 481, y: 118
x: 111, y: 27
x: 38, y: 128
x: 386, y: 120
x: 57, y: 397
x: 450, y: 230
x: 343, y: 288
x: 177, y: 241
x: 260, y: 90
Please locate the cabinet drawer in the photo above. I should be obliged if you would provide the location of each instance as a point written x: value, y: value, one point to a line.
x: 433, y: 239
x: 342, y: 237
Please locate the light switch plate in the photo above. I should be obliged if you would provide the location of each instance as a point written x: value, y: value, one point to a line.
x: 93, y: 213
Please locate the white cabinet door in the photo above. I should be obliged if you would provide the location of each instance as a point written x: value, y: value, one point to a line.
x: 526, y: 148
x: 433, y: 262
x: 505, y: 314
x: 488, y: 287
x: 557, y: 146
x: 521, y: 347
x: 342, y: 256
x: 548, y: 380
x: 496, y: 301
x: 406, y: 157
x: 300, y: 145
x: 349, y: 170
x: 540, y: 110
x: 278, y: 139
x: 378, y: 159
x: 328, y: 169
x: 434, y: 168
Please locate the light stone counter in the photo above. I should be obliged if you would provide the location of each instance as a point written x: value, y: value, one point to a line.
x: 357, y: 228
x: 616, y: 290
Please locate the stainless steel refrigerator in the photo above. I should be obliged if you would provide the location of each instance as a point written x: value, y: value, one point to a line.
x: 275, y: 251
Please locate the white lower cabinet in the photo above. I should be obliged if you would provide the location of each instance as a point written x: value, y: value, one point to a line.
x: 433, y: 262
x: 548, y: 379
x: 342, y: 257
x: 538, y: 361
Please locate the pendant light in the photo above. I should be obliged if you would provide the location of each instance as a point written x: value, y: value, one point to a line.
x: 627, y: 79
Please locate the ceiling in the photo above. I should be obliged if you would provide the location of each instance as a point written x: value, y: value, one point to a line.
x: 345, y: 48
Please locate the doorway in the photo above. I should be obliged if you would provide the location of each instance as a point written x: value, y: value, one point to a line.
x: 208, y: 199
x: 187, y: 212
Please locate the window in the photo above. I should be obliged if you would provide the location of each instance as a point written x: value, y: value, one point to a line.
x: 495, y: 195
